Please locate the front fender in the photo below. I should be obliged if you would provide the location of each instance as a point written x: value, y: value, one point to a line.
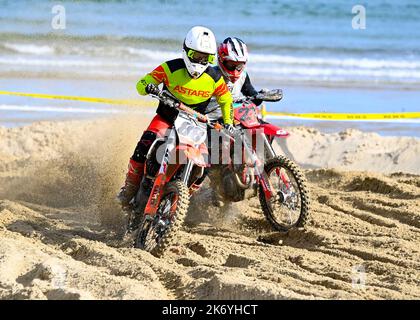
x: 272, y: 130
x: 196, y: 155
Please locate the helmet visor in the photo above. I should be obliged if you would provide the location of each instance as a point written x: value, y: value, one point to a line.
x: 234, y: 65
x: 200, y: 57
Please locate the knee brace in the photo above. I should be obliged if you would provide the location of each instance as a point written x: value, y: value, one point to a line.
x: 143, y: 146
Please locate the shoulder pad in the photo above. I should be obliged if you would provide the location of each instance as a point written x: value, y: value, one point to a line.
x: 214, y: 72
x: 175, y: 64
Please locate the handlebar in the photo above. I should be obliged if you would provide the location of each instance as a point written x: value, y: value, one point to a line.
x: 171, y: 102
x: 270, y: 96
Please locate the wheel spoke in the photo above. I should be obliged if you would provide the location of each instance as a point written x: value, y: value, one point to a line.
x: 290, y: 206
x: 286, y: 211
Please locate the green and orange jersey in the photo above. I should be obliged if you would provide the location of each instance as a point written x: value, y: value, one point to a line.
x: 195, y: 93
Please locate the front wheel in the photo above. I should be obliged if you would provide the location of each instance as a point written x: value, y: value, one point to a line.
x: 289, y: 206
x: 156, y: 233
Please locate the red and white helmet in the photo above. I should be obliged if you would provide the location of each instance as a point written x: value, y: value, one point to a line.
x: 232, y: 57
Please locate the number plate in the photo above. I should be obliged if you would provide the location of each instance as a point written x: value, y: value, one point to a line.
x: 189, y: 131
x: 247, y: 114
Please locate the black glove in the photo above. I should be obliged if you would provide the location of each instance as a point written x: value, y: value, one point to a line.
x: 230, y: 129
x: 255, y: 98
x: 151, y: 88
x: 172, y: 103
x: 167, y: 99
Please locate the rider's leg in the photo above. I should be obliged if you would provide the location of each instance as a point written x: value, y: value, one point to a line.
x: 156, y: 128
x: 136, y: 168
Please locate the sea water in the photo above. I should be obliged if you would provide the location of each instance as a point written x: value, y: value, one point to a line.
x: 310, y: 49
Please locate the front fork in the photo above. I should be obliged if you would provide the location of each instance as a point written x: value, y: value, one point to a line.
x: 187, y: 171
x: 161, y: 180
x: 253, y: 161
x: 269, y: 150
x: 270, y: 154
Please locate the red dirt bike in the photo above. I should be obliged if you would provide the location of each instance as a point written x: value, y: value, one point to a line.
x: 280, y: 184
x: 174, y: 165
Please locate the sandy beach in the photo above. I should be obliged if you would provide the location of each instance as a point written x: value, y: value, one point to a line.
x: 63, y: 159
x: 59, y: 223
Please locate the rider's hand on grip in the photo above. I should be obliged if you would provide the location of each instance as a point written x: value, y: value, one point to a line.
x: 230, y: 129
x: 171, y: 103
x: 218, y: 126
x: 151, y: 88
x: 174, y: 104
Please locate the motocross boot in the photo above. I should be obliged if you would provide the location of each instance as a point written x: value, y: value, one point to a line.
x: 132, y: 182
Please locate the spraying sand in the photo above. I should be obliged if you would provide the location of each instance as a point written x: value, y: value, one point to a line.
x: 59, y: 224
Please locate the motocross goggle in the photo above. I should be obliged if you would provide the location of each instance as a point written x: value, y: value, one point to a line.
x: 200, y: 57
x: 234, y: 65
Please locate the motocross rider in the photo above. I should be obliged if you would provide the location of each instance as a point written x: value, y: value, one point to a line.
x: 192, y: 81
x: 232, y: 58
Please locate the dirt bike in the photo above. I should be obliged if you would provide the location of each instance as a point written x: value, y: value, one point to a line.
x: 279, y: 183
x: 174, y: 165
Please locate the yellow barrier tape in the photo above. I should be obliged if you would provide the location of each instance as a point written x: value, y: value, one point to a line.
x: 350, y: 116
x: 126, y: 102
x: 142, y: 103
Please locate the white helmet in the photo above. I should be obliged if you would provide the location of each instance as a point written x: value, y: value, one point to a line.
x: 199, y: 50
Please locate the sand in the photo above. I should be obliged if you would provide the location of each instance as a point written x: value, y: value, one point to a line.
x: 59, y: 224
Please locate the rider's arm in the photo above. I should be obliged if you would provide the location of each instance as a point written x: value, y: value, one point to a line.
x: 248, y: 90
x: 157, y: 76
x: 224, y: 99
